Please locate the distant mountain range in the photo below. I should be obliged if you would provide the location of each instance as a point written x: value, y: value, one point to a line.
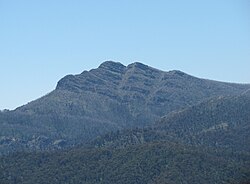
x: 130, y: 124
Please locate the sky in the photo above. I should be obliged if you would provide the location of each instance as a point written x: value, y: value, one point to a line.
x: 41, y: 41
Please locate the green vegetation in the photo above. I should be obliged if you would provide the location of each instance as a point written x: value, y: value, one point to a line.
x: 219, y: 122
x: 156, y: 162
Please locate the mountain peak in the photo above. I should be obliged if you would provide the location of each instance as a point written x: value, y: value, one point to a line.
x: 138, y: 65
x: 113, y: 66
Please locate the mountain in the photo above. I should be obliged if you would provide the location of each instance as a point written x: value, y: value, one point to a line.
x: 129, y: 124
x: 109, y: 98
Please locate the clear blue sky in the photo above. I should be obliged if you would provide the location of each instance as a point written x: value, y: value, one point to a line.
x: 43, y: 40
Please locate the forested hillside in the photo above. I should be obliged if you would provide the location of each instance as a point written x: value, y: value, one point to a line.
x: 219, y: 122
x: 156, y: 162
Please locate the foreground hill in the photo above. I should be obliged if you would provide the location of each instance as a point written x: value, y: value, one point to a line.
x: 152, y: 163
x: 109, y: 98
x: 219, y: 122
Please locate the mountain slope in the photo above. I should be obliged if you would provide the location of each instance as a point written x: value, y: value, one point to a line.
x: 223, y: 122
x: 219, y: 122
x: 111, y: 97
